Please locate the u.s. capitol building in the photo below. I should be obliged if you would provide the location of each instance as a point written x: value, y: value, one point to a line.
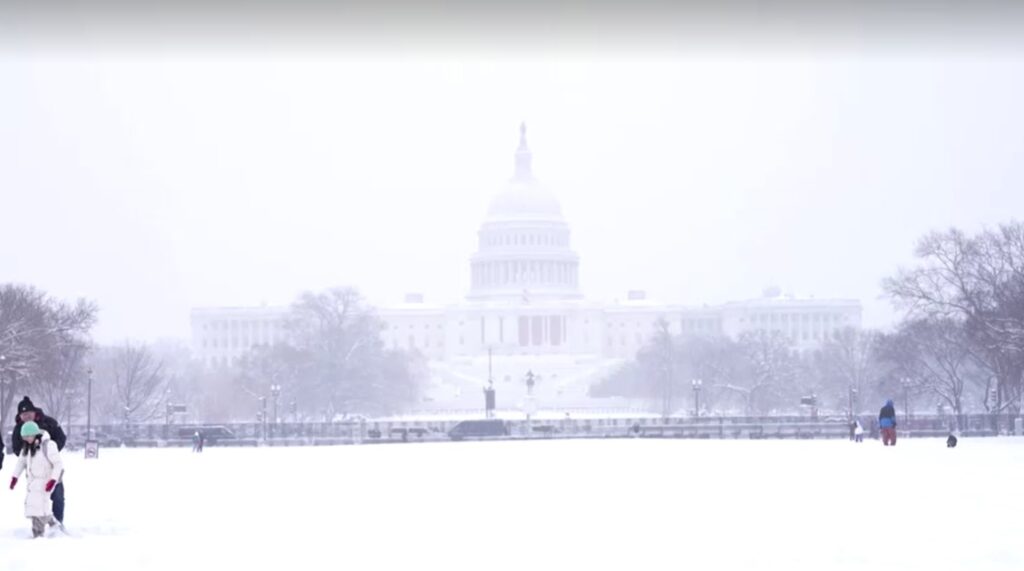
x: 525, y: 305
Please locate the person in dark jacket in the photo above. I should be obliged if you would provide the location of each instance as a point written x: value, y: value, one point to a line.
x: 887, y: 423
x: 26, y: 412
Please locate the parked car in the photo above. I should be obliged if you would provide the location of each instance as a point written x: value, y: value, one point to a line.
x: 212, y: 434
x: 478, y: 429
x: 77, y: 440
x: 407, y: 433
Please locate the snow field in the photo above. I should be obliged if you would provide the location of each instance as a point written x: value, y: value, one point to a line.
x: 579, y: 504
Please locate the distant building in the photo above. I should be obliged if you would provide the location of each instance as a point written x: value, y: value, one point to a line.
x: 525, y: 300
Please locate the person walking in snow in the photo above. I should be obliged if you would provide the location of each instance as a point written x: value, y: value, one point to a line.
x: 27, y: 411
x: 195, y: 442
x: 858, y: 431
x: 40, y: 459
x: 887, y: 423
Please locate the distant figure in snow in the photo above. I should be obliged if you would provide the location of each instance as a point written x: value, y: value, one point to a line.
x: 858, y: 431
x: 951, y: 441
x: 887, y: 423
x: 202, y: 440
x: 196, y: 439
x: 40, y: 459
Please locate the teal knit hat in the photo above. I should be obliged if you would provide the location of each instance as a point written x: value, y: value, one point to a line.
x: 30, y: 428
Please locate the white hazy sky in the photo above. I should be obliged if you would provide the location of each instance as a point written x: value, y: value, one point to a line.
x: 160, y: 181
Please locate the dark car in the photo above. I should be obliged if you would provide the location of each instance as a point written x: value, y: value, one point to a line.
x: 77, y: 441
x: 478, y: 429
x: 211, y: 434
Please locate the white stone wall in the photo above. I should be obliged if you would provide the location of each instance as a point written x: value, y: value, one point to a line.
x: 220, y: 336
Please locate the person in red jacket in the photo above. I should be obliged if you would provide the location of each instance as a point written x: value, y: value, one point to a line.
x: 887, y: 423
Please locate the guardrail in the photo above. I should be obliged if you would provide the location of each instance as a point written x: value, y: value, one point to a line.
x: 374, y: 431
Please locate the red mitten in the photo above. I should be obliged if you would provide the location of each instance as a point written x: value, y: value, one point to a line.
x: 14, y: 482
x: 50, y: 485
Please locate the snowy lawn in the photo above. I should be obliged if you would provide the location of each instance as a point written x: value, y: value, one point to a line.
x: 564, y: 505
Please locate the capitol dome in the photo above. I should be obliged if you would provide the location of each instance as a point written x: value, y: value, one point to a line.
x: 524, y: 198
x: 524, y: 250
x: 524, y: 202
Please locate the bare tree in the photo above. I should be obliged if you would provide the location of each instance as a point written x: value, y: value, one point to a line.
x: 979, y: 281
x: 334, y: 361
x: 936, y: 355
x: 62, y: 388
x: 847, y: 367
x: 138, y: 383
x: 773, y: 370
x: 39, y: 341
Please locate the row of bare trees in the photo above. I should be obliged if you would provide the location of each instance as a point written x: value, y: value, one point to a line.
x: 46, y: 353
x: 959, y: 347
x: 334, y: 362
x: 43, y: 344
x: 968, y: 291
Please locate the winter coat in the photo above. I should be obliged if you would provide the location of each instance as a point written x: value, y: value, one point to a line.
x: 41, y: 467
x: 858, y: 430
x: 47, y: 424
x: 887, y: 416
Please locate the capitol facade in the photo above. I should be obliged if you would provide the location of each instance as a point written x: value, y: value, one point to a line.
x: 525, y: 302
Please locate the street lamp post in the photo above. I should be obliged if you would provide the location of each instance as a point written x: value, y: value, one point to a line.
x: 275, y: 391
x: 490, y: 372
x: 853, y: 399
x: 489, y: 391
x: 907, y: 383
x: 697, y: 384
x: 88, y: 405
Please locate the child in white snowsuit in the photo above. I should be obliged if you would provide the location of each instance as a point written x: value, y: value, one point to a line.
x: 41, y: 460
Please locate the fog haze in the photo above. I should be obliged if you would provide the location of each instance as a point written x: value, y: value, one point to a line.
x: 157, y: 182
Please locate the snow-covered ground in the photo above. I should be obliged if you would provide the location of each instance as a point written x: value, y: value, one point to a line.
x: 565, y: 505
